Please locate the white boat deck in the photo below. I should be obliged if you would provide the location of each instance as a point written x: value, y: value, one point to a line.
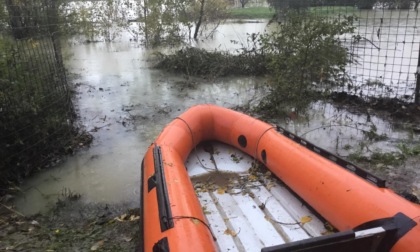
x: 246, y: 206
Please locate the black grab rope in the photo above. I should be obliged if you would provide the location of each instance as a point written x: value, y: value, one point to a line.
x: 200, y: 220
x: 195, y: 146
x: 258, y: 142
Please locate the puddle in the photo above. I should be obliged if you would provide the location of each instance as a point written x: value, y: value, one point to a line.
x: 217, y: 178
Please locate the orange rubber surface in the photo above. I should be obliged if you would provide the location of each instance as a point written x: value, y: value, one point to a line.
x: 341, y: 197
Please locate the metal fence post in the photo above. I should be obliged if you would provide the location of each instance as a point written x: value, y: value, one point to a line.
x: 417, y: 91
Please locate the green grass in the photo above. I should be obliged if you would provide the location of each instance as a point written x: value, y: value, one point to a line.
x: 252, y: 13
x: 333, y: 10
x: 267, y: 13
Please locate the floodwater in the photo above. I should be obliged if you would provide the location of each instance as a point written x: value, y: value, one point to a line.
x: 125, y: 103
x: 390, y: 47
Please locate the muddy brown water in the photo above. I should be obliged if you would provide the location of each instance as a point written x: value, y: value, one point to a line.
x: 125, y: 103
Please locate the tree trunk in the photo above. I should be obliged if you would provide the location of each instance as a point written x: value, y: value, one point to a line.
x: 200, y: 19
x: 146, y: 33
x: 15, y: 19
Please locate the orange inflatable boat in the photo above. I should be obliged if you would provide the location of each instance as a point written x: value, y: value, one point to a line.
x: 349, y: 198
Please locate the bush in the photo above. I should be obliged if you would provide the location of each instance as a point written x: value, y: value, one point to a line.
x: 304, y: 56
x: 304, y: 59
x: 199, y: 62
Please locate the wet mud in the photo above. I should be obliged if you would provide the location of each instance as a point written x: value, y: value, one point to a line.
x: 72, y: 226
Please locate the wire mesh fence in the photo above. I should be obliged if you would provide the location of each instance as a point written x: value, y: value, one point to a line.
x: 385, y: 49
x: 36, y: 111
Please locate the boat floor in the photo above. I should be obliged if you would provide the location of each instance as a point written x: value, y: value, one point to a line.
x: 246, y: 206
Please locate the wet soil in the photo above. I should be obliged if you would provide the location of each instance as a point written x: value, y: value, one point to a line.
x: 400, y: 177
x: 71, y: 226
x: 392, y: 109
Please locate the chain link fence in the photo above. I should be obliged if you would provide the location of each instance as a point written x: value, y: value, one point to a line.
x: 36, y: 112
x: 385, y: 49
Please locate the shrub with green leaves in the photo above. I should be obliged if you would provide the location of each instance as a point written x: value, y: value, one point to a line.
x: 304, y: 55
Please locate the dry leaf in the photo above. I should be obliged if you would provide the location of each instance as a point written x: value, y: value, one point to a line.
x: 121, y: 218
x: 97, y: 245
x: 127, y: 239
x: 327, y: 232
x: 329, y: 227
x: 252, y: 177
x: 205, y: 211
x: 195, y: 221
x: 134, y: 217
x: 230, y: 232
x: 221, y: 191
x: 305, y: 219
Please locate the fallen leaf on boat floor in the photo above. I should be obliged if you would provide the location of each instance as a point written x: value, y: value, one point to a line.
x: 230, y: 232
x: 329, y: 229
x: 326, y: 232
x: 205, y: 211
x: 270, y: 185
x: 221, y: 191
x: 252, y: 177
x: 235, y: 158
x: 305, y: 219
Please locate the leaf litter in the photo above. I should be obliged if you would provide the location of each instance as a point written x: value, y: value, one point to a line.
x: 234, y: 183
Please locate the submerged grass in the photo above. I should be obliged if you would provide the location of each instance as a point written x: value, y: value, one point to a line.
x: 385, y: 159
